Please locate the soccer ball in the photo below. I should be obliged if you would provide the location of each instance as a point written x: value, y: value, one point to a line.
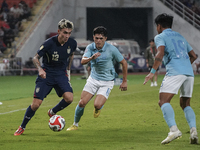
x: 56, y: 123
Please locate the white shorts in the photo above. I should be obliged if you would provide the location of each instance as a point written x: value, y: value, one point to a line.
x: 98, y: 87
x: 171, y: 84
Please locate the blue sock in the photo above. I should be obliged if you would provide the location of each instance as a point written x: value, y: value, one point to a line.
x: 61, y: 105
x: 27, y: 117
x: 168, y: 114
x: 190, y: 116
x: 78, y: 113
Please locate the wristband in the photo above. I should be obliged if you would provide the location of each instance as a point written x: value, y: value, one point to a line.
x: 153, y: 71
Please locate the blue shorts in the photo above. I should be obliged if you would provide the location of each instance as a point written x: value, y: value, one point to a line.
x: 43, y: 87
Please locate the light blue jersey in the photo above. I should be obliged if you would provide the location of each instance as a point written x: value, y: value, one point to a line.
x: 102, y: 68
x: 176, y: 58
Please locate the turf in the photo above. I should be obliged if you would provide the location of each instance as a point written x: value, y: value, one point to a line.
x: 129, y: 120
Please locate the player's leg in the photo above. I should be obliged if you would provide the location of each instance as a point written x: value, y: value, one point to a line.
x: 155, y: 78
x: 63, y: 88
x: 151, y: 78
x: 185, y: 96
x: 98, y: 104
x: 169, y: 87
x: 169, y: 116
x: 85, y: 98
x: 30, y: 112
x: 41, y: 91
x: 102, y: 95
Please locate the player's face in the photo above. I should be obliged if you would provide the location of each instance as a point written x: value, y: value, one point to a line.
x: 158, y: 27
x: 152, y: 44
x: 63, y: 35
x: 99, y: 40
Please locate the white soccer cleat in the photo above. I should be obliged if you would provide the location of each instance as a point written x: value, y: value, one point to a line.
x: 155, y: 84
x: 152, y: 84
x: 172, y: 136
x: 193, y: 137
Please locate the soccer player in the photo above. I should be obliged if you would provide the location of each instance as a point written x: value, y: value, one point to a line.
x: 57, y: 53
x: 178, y: 57
x: 101, y: 80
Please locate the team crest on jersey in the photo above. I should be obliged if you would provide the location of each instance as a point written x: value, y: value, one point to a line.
x: 37, y: 90
x: 68, y: 50
x: 41, y: 47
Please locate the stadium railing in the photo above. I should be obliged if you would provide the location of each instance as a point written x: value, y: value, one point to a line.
x: 183, y: 11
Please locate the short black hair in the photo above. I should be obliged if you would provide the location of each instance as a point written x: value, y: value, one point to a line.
x: 100, y: 30
x: 164, y: 20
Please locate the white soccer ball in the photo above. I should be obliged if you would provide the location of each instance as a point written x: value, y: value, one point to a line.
x: 56, y: 123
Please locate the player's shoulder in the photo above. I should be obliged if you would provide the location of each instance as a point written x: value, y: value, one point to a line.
x: 110, y: 46
x: 72, y: 41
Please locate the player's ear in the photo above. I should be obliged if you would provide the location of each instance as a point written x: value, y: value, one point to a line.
x: 58, y: 31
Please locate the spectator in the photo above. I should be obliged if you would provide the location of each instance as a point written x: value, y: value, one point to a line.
x: 2, y: 45
x: 4, y: 5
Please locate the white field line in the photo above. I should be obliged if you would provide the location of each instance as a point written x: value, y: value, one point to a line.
x: 122, y: 93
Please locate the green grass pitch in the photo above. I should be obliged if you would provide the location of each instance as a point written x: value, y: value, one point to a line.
x: 130, y: 120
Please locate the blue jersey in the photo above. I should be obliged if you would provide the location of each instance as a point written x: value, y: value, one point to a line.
x: 102, y: 68
x: 176, y: 56
x: 56, y: 56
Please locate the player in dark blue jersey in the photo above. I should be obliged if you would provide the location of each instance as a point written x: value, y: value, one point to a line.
x: 57, y: 53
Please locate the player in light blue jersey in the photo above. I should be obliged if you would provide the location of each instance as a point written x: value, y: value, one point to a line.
x: 178, y: 57
x: 101, y: 80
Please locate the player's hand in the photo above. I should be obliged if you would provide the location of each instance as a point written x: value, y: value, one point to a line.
x: 123, y: 86
x: 68, y: 74
x: 94, y: 56
x: 42, y: 73
x: 148, y: 77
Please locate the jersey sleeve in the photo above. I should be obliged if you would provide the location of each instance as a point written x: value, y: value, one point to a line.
x: 43, y: 48
x: 117, y: 55
x: 189, y: 48
x: 88, y: 52
x: 159, y: 41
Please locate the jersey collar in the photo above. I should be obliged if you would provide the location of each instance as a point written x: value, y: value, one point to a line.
x: 101, y: 50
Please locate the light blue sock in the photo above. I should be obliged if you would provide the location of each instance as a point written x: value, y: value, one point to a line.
x: 78, y: 113
x: 168, y: 114
x: 190, y: 116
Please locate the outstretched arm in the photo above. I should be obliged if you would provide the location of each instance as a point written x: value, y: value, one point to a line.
x: 157, y: 63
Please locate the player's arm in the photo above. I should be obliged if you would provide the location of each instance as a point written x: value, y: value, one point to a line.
x: 192, y: 56
x: 157, y: 63
x: 36, y: 62
x: 123, y: 86
x: 85, y: 60
x: 71, y: 57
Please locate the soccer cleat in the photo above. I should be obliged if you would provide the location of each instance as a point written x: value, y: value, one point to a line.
x: 19, y: 131
x: 193, y: 138
x: 152, y: 84
x: 49, y: 113
x: 172, y: 136
x: 155, y: 84
x: 73, y: 127
x: 96, y: 112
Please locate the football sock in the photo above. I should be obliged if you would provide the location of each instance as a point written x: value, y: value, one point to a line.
x: 190, y: 116
x: 78, y: 113
x: 168, y: 114
x: 27, y: 117
x: 61, y: 105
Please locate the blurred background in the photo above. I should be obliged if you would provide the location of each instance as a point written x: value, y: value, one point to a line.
x: 26, y: 24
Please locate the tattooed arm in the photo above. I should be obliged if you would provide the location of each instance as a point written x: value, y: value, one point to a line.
x: 36, y: 62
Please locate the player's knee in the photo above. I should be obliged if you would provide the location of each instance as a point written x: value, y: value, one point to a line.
x: 97, y: 106
x: 82, y: 103
x: 160, y: 103
x: 35, y: 106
